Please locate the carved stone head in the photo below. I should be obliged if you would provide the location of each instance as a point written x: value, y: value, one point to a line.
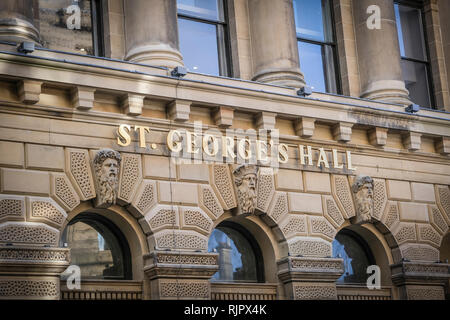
x: 363, y: 193
x: 245, y: 180
x: 106, y: 167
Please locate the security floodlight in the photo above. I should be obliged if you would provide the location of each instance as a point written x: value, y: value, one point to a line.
x: 305, y: 91
x: 412, y: 108
x: 179, y: 72
x: 26, y: 47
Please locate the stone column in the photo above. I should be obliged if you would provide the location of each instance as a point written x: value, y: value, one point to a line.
x: 17, y: 20
x: 28, y: 272
x: 180, y: 275
x: 274, y: 43
x: 310, y: 278
x: 379, y: 54
x: 151, y: 32
x: 420, y: 280
x: 444, y: 14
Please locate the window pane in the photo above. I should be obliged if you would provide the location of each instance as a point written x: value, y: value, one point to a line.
x: 355, y: 258
x: 198, y: 45
x: 237, y: 261
x: 416, y: 80
x: 207, y: 9
x: 410, y: 32
x: 312, y: 19
x: 60, y: 28
x: 311, y: 64
x: 95, y: 249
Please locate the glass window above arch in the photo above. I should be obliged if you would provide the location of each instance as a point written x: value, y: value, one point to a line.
x: 71, y: 26
x: 316, y: 44
x: 97, y: 248
x: 238, y: 261
x: 202, y: 33
x: 356, y: 255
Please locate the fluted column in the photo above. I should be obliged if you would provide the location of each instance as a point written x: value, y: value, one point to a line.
x: 17, y: 20
x: 379, y: 54
x: 151, y: 32
x: 274, y: 44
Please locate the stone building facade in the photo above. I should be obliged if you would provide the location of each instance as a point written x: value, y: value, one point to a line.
x: 109, y: 156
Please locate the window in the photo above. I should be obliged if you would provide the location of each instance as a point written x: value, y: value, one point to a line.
x: 316, y: 44
x: 240, y: 258
x: 71, y: 26
x: 356, y: 254
x: 202, y: 34
x: 415, y: 65
x: 98, y: 248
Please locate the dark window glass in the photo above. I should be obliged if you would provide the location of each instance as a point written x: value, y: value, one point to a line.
x: 357, y: 257
x: 415, y: 65
x: 202, y: 35
x: 237, y: 259
x: 316, y: 45
x: 70, y: 26
x: 97, y: 249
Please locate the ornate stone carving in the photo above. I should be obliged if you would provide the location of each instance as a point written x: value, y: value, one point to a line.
x: 145, y: 199
x: 12, y: 207
x: 28, y: 232
x: 362, y: 190
x: 47, y: 211
x: 265, y: 188
x: 196, y: 219
x: 245, y: 180
x: 130, y: 177
x: 426, y: 294
x: 63, y: 192
x: 343, y: 195
x: 106, y: 166
x: 181, y: 240
x: 31, y: 254
x: 223, y: 184
x: 78, y: 170
x: 209, y: 202
x: 293, y: 225
x: 308, y: 292
x: 437, y: 220
x: 428, y: 234
x: 185, y: 289
x: 197, y: 259
x: 443, y: 200
x: 332, y: 212
x: 391, y: 216
x: 422, y: 252
x: 20, y: 289
x: 309, y: 247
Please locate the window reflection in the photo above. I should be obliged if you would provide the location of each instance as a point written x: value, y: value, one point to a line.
x: 237, y: 260
x: 96, y: 250
x: 355, y: 254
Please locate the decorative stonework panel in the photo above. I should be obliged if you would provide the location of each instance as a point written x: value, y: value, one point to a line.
x: 209, y: 202
x: 443, y: 200
x: 195, y: 218
x: 332, y: 212
x: 171, y: 258
x: 265, y: 187
x: 311, y: 292
x: 163, y: 216
x: 428, y: 234
x: 47, y: 211
x: 405, y: 232
x: 321, y: 227
x: 79, y: 172
x: 184, y: 289
x: 293, y: 225
x: 224, y: 186
x: 317, y: 264
x: 29, y: 288
x: 279, y: 207
x: 12, y: 207
x: 145, y: 198
x: 437, y: 219
x: 31, y: 254
x: 181, y: 240
x: 343, y: 195
x: 63, y: 192
x: 130, y: 176
x: 28, y: 232
x: 391, y: 216
x: 309, y: 247
x: 420, y: 252
x: 435, y: 293
x: 379, y: 198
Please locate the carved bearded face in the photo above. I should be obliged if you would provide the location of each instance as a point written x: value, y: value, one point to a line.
x: 107, y: 163
x: 110, y: 169
x: 364, y: 202
x: 247, y: 193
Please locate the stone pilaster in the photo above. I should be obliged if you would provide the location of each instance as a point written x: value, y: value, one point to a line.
x: 31, y: 272
x: 310, y: 278
x: 420, y: 280
x: 180, y: 275
x: 17, y: 20
x: 152, y: 32
x: 379, y: 54
x: 274, y: 50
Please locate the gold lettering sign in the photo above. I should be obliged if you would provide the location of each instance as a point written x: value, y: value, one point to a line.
x: 185, y: 141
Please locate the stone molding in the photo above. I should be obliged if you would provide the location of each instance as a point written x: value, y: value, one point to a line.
x: 305, y: 268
